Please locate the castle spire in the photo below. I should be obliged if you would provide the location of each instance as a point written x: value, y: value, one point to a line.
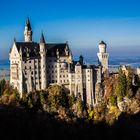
x: 28, y: 31
x: 28, y: 25
x: 42, y: 39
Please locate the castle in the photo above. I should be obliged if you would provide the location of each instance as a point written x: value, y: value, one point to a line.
x: 35, y: 66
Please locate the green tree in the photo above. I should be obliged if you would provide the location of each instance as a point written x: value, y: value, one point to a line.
x: 42, y: 98
x: 113, y: 100
x: 129, y: 79
x: 57, y: 97
x: 2, y: 86
x: 121, y: 86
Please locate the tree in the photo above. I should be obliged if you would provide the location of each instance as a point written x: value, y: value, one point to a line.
x: 78, y: 108
x: 57, y: 97
x: 113, y: 100
x: 30, y: 104
x: 129, y: 79
x: 2, y: 86
x: 42, y: 98
x: 72, y: 99
x: 121, y: 86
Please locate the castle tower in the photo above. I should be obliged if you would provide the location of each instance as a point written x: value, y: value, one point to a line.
x: 103, y: 56
x: 20, y: 74
x: 28, y: 31
x: 78, y: 81
x: 43, y: 63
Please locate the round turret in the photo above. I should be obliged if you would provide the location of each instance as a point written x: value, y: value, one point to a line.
x: 102, y: 47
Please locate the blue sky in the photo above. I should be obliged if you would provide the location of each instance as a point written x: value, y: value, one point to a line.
x: 83, y: 23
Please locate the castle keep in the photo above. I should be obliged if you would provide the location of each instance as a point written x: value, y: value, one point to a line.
x: 35, y: 66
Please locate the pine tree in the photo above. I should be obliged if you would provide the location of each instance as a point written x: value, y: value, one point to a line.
x: 2, y: 86
x: 121, y: 85
x: 129, y: 79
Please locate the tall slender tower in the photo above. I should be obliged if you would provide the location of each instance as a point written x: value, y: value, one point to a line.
x: 28, y: 31
x: 20, y: 70
x: 43, y: 63
x: 103, y: 56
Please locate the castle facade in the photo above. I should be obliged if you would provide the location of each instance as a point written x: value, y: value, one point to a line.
x: 35, y: 66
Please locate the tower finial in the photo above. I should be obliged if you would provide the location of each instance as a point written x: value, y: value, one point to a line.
x: 42, y: 39
x: 102, y: 42
x: 28, y: 24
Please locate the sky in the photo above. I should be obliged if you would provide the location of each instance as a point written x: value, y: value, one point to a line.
x: 83, y: 23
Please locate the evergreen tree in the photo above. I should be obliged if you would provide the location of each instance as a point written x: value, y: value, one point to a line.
x: 121, y: 86
x: 113, y: 100
x: 129, y: 79
x: 2, y: 86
